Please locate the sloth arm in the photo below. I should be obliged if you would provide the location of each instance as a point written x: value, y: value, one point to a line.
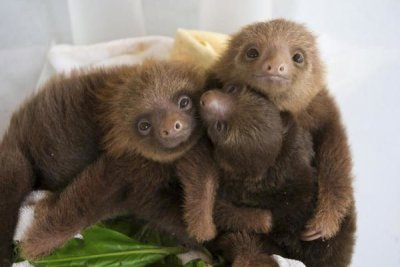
x: 90, y: 197
x: 233, y: 218
x: 198, y: 175
x: 104, y: 189
x: 333, y: 163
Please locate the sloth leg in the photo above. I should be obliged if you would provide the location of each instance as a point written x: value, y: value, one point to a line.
x: 16, y: 181
x: 245, y: 250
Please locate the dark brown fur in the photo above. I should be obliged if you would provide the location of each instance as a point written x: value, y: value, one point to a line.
x: 280, y: 178
x: 302, y: 91
x: 54, y: 142
x: 50, y: 140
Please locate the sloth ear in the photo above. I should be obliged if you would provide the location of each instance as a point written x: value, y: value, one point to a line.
x: 288, y: 121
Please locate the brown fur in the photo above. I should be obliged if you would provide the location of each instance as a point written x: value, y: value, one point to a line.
x: 280, y: 179
x: 51, y: 138
x: 246, y: 250
x: 302, y: 92
x: 233, y: 218
x: 55, y: 142
x: 200, y: 185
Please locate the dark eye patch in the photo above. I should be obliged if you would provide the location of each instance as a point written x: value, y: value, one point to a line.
x: 252, y: 53
x: 143, y: 124
x: 184, y: 102
x: 298, y: 57
x: 191, y: 94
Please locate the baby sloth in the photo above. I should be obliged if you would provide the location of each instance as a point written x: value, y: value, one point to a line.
x: 265, y: 159
x: 106, y: 142
x: 280, y: 60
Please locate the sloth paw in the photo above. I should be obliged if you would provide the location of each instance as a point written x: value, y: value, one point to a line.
x: 40, y: 242
x: 35, y: 249
x: 263, y: 223
x: 203, y: 231
x: 323, y: 227
x: 44, y: 236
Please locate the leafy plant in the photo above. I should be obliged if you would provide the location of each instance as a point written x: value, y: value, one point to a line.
x: 119, y: 242
x: 105, y: 247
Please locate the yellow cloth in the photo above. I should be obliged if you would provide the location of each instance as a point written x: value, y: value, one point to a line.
x: 199, y: 47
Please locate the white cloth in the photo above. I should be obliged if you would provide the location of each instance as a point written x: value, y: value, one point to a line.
x: 283, y: 262
x: 65, y: 58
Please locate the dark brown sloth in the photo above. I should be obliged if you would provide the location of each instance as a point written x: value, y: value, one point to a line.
x: 265, y: 159
x: 106, y: 142
x: 280, y: 60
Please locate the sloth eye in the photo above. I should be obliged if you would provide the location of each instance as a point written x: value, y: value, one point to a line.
x: 220, y: 126
x: 252, y: 53
x: 298, y: 58
x: 184, y: 102
x: 231, y: 88
x: 144, y: 127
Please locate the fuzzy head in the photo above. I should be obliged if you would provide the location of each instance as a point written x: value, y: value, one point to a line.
x: 153, y: 111
x: 279, y: 59
x: 245, y: 128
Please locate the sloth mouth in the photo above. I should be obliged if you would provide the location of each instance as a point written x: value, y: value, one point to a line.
x: 173, y: 142
x: 181, y: 138
x: 270, y: 77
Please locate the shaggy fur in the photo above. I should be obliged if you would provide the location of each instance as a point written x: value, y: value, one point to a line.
x: 266, y: 163
x: 297, y: 87
x: 79, y: 137
x: 51, y: 138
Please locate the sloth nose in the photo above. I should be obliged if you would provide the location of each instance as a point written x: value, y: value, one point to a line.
x: 216, y: 105
x: 275, y: 67
x: 172, y: 126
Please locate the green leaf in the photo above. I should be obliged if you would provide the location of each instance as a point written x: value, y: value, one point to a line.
x: 140, y: 231
x: 104, y: 247
x: 196, y: 263
x: 173, y: 261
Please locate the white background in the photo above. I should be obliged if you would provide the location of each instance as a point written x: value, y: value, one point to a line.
x: 359, y: 41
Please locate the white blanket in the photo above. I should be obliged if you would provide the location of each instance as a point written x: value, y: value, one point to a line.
x: 65, y: 58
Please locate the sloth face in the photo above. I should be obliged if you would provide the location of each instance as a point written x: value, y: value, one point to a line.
x: 281, y: 55
x: 244, y: 126
x: 169, y: 125
x: 155, y: 113
x: 278, y: 58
